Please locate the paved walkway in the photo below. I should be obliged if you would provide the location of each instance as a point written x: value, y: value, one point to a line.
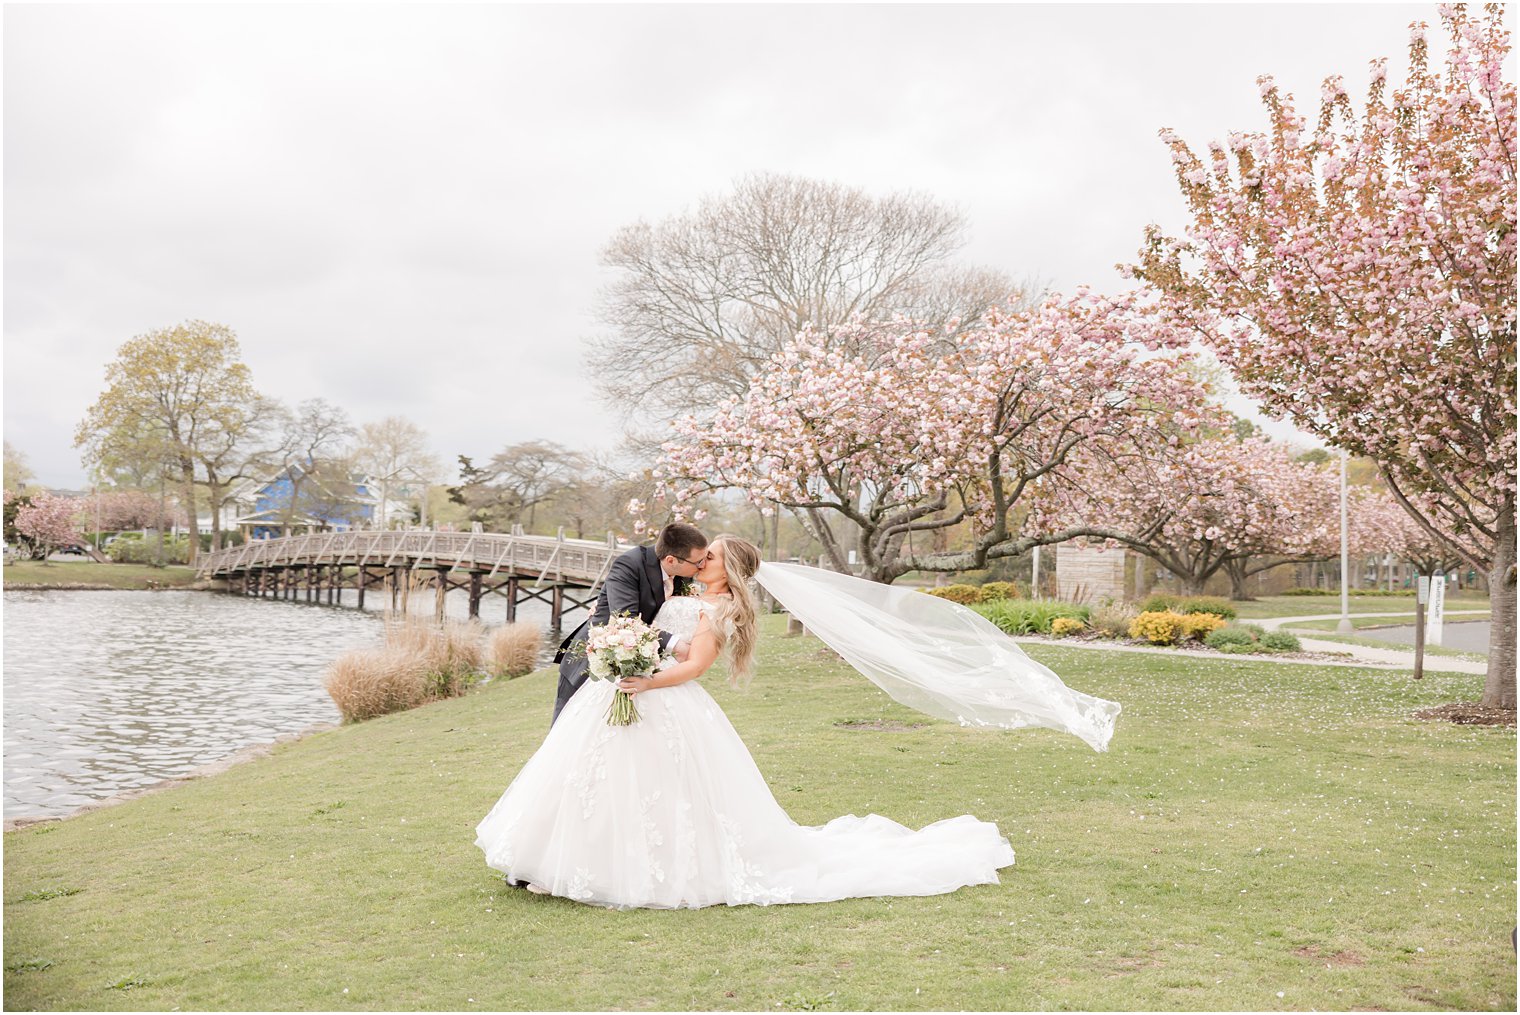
x: 1402, y: 658
x: 1363, y: 655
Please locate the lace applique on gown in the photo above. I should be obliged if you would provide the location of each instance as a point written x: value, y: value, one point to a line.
x: 672, y: 812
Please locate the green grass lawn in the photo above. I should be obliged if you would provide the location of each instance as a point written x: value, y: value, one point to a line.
x: 1304, y: 606
x: 88, y: 572
x: 1260, y: 836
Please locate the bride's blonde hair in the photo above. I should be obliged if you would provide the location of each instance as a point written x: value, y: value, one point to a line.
x: 734, y: 620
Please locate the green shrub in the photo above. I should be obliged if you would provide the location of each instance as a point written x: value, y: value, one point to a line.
x: 1280, y: 641
x: 1029, y: 616
x: 963, y: 594
x: 132, y: 548
x: 1236, y: 650
x: 1231, y: 635
x: 994, y: 591
x: 1060, y: 627
x: 1159, y: 627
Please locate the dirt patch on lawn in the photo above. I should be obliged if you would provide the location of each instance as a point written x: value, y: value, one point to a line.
x: 879, y: 725
x: 1469, y: 713
x: 1342, y: 958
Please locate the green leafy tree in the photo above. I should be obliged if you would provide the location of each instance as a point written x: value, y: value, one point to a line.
x: 169, y: 394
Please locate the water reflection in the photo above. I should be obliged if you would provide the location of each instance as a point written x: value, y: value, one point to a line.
x: 111, y: 691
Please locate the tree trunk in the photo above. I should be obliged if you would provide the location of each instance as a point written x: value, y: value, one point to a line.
x: 1499, y: 686
x: 216, y: 499
x: 188, y: 474
x: 1192, y: 586
x: 1237, y: 572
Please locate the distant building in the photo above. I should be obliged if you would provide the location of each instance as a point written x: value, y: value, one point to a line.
x: 267, y: 508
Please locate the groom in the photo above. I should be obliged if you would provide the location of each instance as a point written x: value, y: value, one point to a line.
x: 638, y: 582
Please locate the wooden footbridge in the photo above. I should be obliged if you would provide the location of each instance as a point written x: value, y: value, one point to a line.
x: 563, y: 573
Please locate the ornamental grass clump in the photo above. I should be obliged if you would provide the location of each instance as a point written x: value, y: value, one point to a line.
x: 448, y: 655
x: 512, y: 650
x: 421, y: 661
x: 963, y: 594
x: 368, y: 682
x: 1112, y: 619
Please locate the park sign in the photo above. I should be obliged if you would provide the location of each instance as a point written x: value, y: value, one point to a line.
x: 1433, y: 592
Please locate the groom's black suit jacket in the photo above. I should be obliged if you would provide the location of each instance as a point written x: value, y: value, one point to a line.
x: 635, y: 584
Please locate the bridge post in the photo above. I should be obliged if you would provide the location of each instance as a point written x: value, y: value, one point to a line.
x: 474, y: 595
x: 406, y: 588
x: 361, y: 579
x: 441, y: 594
x: 512, y: 585
x: 557, y: 609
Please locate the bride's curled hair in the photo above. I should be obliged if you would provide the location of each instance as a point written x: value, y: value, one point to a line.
x: 734, y: 621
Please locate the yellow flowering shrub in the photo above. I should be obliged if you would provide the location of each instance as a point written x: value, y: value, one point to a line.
x: 1159, y: 627
x: 994, y: 591
x: 963, y: 594
x: 1198, y: 625
x: 1062, y: 626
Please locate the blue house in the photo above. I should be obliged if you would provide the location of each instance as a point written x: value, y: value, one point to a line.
x: 300, y: 502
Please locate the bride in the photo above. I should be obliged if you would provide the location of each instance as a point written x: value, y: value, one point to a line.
x: 672, y: 812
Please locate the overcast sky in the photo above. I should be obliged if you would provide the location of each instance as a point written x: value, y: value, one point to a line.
x: 400, y: 209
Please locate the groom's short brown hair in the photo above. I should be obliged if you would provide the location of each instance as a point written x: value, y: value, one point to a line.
x: 678, y: 540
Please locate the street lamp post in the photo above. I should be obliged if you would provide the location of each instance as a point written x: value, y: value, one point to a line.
x: 1344, y: 627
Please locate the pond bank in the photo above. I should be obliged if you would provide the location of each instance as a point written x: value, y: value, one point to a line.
x: 88, y: 575
x: 249, y: 753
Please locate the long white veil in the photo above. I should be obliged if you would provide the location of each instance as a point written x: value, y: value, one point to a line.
x: 934, y: 655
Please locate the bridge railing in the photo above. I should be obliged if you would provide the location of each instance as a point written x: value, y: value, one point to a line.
x: 547, y: 557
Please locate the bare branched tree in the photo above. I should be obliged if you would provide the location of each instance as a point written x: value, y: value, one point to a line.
x: 393, y: 453
x: 704, y: 299
x: 517, y: 479
x: 316, y: 446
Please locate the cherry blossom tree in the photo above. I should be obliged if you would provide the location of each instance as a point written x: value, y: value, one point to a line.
x: 1380, y: 525
x: 118, y: 510
x: 1217, y: 504
x: 1358, y: 278
x: 879, y: 436
x: 50, y: 522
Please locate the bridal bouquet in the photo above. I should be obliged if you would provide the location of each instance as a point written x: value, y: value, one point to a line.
x: 623, y: 647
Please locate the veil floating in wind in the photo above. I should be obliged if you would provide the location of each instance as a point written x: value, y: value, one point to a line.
x: 934, y: 655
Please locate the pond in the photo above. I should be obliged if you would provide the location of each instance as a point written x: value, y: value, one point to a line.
x: 108, y: 692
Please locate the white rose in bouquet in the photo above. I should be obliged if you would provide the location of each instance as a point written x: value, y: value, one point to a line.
x: 623, y: 647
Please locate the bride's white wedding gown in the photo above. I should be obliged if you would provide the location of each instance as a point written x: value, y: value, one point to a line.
x: 672, y: 812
